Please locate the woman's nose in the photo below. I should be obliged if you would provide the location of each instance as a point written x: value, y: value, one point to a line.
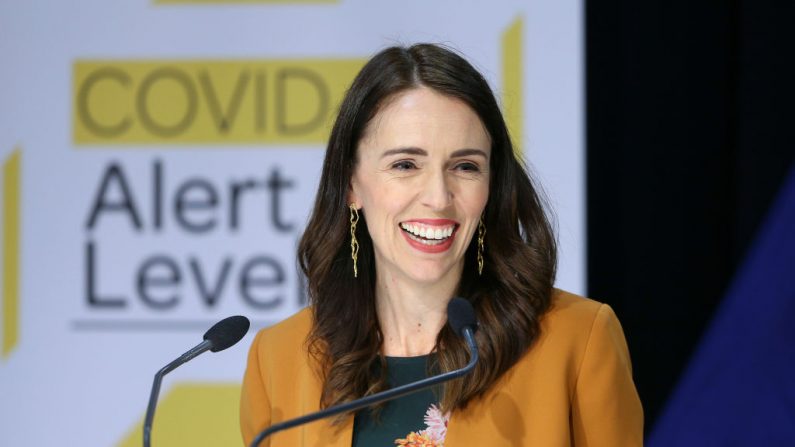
x: 436, y: 193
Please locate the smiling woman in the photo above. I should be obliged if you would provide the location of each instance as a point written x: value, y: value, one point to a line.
x: 422, y: 199
x: 422, y: 181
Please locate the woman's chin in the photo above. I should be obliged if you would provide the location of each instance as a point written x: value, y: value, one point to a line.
x: 431, y: 273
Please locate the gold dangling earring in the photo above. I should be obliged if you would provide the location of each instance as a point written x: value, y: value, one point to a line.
x: 354, y: 243
x: 481, y: 239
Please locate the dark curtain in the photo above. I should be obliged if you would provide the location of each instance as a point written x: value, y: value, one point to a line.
x: 690, y: 132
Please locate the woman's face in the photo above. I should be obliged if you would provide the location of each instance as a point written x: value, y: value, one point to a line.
x: 422, y: 181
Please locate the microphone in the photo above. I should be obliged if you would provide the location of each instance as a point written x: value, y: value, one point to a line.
x: 460, y: 316
x: 222, y: 335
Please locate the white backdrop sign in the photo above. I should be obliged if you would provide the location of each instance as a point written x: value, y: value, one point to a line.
x: 159, y: 161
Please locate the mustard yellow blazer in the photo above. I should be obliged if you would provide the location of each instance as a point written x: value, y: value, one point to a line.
x: 573, y: 388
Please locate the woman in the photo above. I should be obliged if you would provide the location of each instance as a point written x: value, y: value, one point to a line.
x: 421, y: 199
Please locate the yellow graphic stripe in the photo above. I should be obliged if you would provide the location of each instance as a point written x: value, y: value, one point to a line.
x: 11, y: 211
x: 270, y: 101
x: 194, y: 414
x: 512, y: 82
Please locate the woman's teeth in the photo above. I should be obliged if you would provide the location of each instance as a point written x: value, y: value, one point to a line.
x: 428, y: 235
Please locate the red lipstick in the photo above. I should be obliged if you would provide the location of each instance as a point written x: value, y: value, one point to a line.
x: 436, y: 247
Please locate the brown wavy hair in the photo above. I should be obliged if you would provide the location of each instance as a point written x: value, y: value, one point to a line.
x: 520, y: 255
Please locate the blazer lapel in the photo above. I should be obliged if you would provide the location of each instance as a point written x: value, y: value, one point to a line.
x: 461, y: 431
x: 330, y: 436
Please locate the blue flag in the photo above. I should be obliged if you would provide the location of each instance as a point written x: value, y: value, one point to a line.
x: 739, y: 388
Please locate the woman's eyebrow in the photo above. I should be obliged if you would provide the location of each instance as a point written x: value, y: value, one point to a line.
x: 468, y: 152
x: 422, y: 152
x: 405, y: 150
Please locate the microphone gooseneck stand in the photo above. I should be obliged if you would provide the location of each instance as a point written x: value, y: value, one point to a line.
x: 222, y: 335
x: 150, y: 408
x: 392, y: 393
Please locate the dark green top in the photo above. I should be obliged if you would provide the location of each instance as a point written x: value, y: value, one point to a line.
x: 402, y: 416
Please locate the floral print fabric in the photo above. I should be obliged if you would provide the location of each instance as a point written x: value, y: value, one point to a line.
x: 434, y: 433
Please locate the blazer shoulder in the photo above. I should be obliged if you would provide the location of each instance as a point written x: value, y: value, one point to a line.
x: 567, y: 307
x: 573, y: 319
x: 288, y: 334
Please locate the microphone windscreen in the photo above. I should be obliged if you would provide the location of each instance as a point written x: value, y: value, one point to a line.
x: 460, y: 314
x: 227, y: 332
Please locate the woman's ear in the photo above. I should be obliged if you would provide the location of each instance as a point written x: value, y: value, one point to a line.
x: 353, y: 197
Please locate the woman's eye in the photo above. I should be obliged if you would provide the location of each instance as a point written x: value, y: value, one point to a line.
x: 468, y: 167
x: 403, y: 165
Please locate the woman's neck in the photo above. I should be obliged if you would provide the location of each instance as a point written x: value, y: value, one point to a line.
x: 411, y: 314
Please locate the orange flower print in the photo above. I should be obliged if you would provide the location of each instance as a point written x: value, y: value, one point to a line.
x: 433, y: 435
x: 415, y: 439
